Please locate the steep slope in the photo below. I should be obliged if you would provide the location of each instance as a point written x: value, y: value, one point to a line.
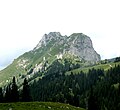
x: 76, y: 44
x: 77, y: 47
x: 75, y: 89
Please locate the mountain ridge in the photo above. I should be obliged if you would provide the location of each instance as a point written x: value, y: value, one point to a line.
x: 73, y: 44
x: 77, y: 47
x: 57, y: 72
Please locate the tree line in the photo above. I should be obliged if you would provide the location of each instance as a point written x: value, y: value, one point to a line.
x: 11, y: 93
x: 95, y: 90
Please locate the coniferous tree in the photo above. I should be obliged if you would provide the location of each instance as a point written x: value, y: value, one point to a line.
x: 14, y: 91
x: 1, y: 95
x: 92, y: 102
x: 8, y: 93
x: 26, y: 92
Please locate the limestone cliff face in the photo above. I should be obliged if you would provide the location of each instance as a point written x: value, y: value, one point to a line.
x: 76, y: 44
x: 82, y: 46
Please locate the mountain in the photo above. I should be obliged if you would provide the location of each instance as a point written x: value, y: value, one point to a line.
x: 76, y: 44
x: 64, y: 69
x: 78, y: 48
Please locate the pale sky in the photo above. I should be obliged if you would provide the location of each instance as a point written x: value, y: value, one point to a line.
x: 23, y: 23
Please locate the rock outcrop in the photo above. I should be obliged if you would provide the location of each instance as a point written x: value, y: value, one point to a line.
x: 78, y: 48
x: 77, y: 44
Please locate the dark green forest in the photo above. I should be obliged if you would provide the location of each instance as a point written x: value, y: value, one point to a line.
x: 95, y: 90
x: 11, y: 92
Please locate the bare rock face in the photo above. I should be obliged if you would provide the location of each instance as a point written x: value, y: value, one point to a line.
x: 77, y: 44
x: 47, y: 38
x: 82, y: 46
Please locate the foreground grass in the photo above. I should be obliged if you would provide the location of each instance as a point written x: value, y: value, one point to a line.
x: 37, y: 106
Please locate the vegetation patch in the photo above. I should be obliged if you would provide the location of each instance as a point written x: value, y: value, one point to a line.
x: 37, y: 106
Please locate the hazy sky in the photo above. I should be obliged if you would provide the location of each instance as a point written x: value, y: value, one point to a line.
x: 23, y: 23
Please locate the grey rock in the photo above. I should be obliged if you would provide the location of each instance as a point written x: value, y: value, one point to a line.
x: 77, y: 44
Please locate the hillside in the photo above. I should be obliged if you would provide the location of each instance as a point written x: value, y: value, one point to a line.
x: 37, y: 106
x: 77, y: 48
x: 97, y: 87
x: 63, y: 69
x: 105, y: 67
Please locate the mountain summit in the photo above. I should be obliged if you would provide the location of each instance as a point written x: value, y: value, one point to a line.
x: 75, y: 51
x: 77, y: 44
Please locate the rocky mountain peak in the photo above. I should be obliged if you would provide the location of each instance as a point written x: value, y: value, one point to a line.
x: 77, y: 44
x: 82, y: 40
x: 81, y: 45
x: 54, y: 34
x: 48, y: 37
x: 75, y: 49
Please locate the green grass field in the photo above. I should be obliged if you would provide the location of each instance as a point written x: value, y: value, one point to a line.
x: 37, y: 106
x: 100, y: 66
